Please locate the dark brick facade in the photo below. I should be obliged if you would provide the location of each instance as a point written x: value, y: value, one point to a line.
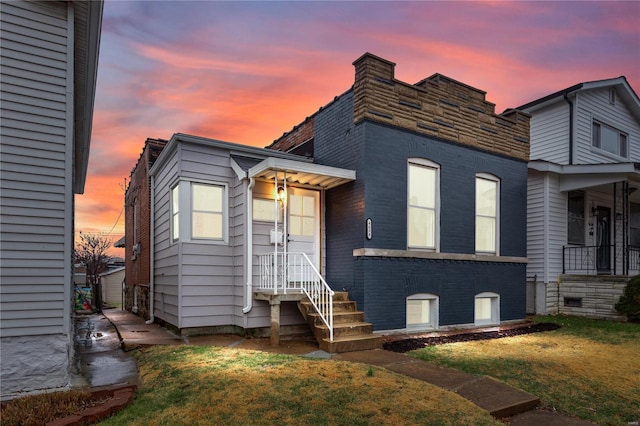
x: 138, y: 231
x: 374, y: 129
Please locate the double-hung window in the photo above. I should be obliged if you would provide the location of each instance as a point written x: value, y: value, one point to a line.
x: 608, y: 139
x: 207, y: 211
x: 423, y: 196
x: 487, y: 213
x: 199, y: 208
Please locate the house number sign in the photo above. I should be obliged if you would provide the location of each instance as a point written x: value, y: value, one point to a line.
x: 368, y: 228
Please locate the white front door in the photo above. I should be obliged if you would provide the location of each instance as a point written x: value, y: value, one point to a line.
x: 303, y: 223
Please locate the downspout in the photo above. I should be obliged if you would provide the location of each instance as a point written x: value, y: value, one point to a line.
x: 248, y: 301
x: 151, y: 250
x: 566, y: 98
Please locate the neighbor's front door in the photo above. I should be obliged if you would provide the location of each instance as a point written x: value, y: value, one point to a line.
x: 303, y: 223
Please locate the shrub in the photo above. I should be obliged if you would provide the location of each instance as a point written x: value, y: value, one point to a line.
x: 629, y: 303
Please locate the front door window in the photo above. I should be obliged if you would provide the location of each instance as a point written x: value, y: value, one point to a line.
x: 603, y: 239
x: 303, y: 228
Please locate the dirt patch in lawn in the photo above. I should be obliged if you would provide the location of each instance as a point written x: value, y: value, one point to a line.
x: 406, y: 344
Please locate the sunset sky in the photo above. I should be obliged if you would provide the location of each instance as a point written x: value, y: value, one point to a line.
x: 247, y: 72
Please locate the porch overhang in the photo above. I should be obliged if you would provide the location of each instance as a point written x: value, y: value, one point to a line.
x: 302, y: 173
x: 582, y: 176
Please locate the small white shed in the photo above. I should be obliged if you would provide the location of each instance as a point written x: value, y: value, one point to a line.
x: 111, y: 283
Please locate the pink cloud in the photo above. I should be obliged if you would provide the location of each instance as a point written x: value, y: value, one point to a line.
x: 247, y: 77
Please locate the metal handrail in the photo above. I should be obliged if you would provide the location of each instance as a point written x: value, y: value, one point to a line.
x: 576, y: 259
x: 295, y: 271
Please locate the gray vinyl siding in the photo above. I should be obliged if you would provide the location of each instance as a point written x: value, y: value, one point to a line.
x: 550, y: 131
x: 166, y: 261
x: 536, y: 238
x: 594, y: 104
x: 35, y: 164
x: 546, y: 226
x: 557, y: 236
x: 200, y: 258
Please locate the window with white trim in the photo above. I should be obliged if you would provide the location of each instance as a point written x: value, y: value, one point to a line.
x: 264, y: 210
x: 207, y: 211
x: 487, y: 309
x: 175, y: 212
x: 423, y: 199
x: 487, y: 213
x: 575, y: 217
x: 422, y: 311
x: 609, y: 139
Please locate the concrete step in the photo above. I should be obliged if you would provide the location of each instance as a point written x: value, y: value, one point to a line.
x: 351, y: 343
x: 338, y: 305
x: 346, y: 329
x: 341, y: 296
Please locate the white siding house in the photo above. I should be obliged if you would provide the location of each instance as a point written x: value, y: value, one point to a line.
x: 583, y: 222
x: 48, y: 65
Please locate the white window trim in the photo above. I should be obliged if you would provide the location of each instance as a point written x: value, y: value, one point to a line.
x: 584, y: 219
x: 495, y: 309
x: 225, y: 213
x: 185, y: 212
x: 434, y: 312
x: 172, y: 213
x: 604, y: 152
x: 494, y: 178
x: 426, y: 163
x: 271, y: 212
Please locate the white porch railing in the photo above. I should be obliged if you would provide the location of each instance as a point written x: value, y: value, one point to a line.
x: 294, y: 272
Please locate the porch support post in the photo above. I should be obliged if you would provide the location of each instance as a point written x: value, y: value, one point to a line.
x: 274, y: 339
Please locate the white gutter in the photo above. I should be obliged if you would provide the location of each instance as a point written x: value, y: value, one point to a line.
x: 151, y: 250
x: 248, y: 301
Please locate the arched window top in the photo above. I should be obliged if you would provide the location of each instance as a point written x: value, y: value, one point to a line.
x: 424, y: 162
x: 422, y: 296
x: 488, y: 176
x: 487, y: 294
x: 422, y: 311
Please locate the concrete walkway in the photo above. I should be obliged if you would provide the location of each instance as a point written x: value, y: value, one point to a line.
x: 116, y: 330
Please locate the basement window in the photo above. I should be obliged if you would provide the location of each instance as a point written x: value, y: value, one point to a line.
x: 422, y: 311
x: 487, y: 309
x: 573, y: 302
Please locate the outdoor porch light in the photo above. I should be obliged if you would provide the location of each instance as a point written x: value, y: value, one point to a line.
x: 281, y: 195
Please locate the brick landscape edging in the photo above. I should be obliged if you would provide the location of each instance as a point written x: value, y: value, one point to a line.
x: 119, y: 398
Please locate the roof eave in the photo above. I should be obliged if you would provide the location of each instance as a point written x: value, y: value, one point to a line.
x: 85, y: 79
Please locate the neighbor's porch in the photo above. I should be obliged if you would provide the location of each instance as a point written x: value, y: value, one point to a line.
x: 603, y: 220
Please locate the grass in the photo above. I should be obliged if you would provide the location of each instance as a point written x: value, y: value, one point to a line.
x: 211, y: 385
x: 588, y: 368
x: 36, y: 410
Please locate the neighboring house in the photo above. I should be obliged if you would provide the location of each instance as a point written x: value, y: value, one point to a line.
x: 49, y: 59
x: 137, y: 230
x: 583, y: 205
x: 111, y: 285
x: 411, y: 198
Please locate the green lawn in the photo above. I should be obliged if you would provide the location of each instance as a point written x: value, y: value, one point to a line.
x: 588, y: 368
x: 190, y: 385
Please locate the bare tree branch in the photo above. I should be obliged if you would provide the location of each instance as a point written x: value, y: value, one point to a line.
x: 91, y: 251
